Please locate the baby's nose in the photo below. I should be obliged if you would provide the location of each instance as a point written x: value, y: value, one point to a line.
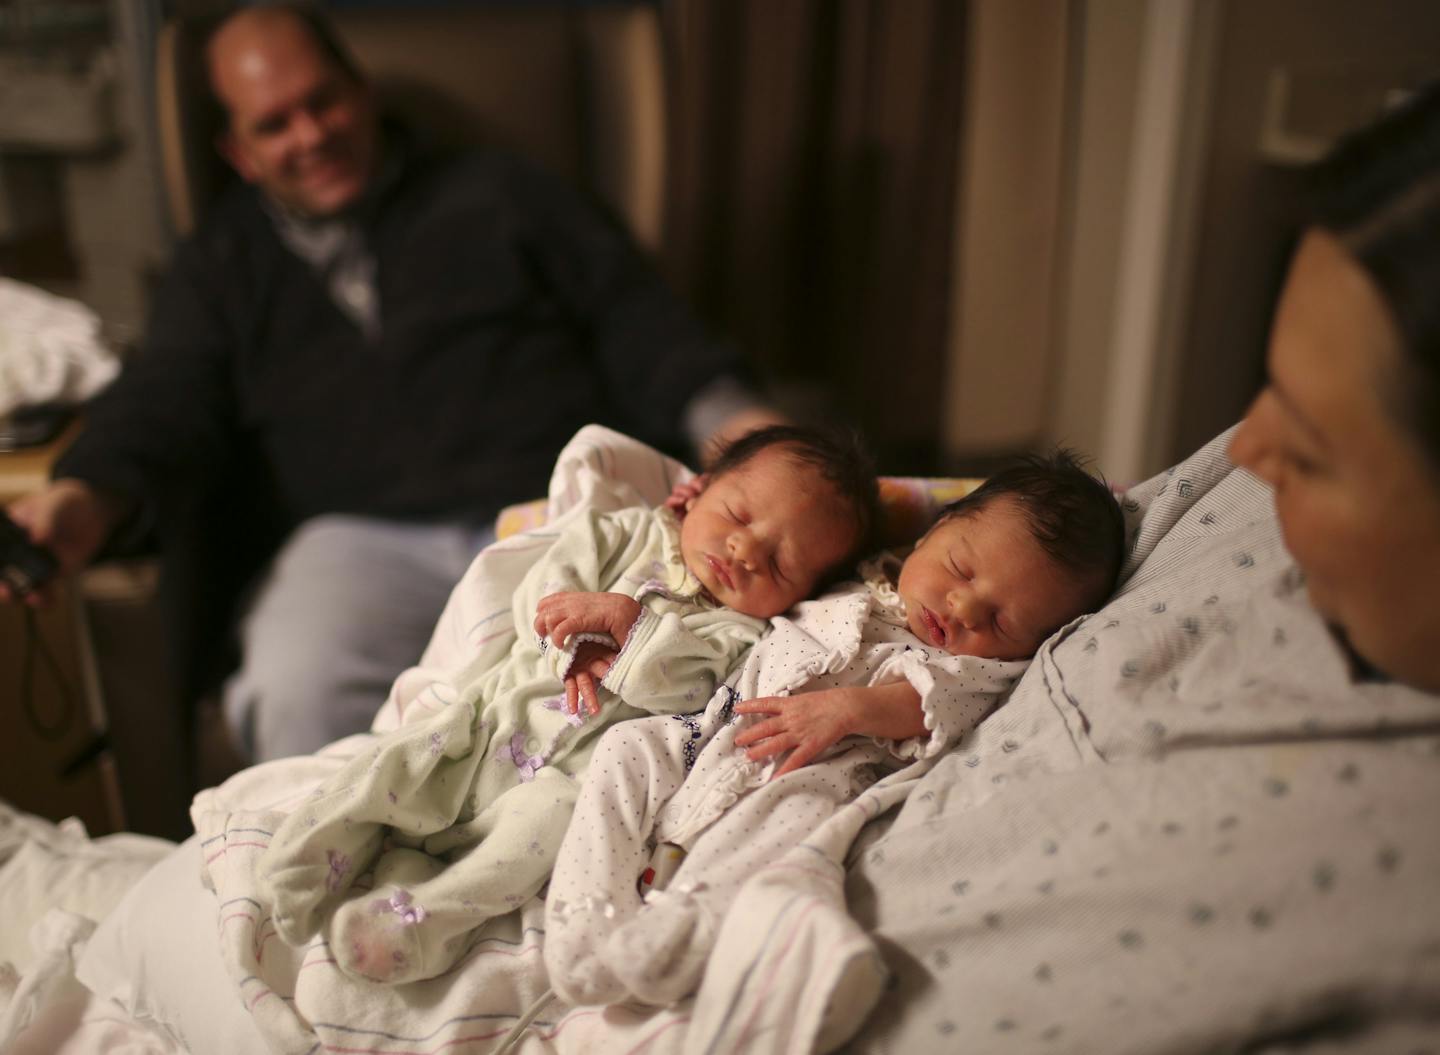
x: 742, y: 548
x: 968, y: 611
x: 751, y: 550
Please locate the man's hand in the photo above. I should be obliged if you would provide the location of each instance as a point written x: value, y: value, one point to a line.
x: 685, y: 492
x: 70, y: 519
x: 592, y: 662
x: 562, y: 615
x: 804, y: 725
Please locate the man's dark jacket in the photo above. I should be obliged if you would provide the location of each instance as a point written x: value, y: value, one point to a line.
x: 511, y: 315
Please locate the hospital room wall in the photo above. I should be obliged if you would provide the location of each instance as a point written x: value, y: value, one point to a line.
x: 1049, y: 287
x: 1068, y: 111
x: 1340, y: 60
x: 1133, y: 326
x: 81, y: 208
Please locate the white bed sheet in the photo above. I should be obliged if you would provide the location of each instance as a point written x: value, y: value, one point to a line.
x: 1190, y: 829
x: 55, y: 881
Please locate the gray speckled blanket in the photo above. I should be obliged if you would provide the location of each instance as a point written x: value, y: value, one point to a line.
x: 1190, y: 829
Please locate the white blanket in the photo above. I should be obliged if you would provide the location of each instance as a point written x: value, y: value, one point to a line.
x: 55, y: 882
x: 297, y: 996
x: 51, y: 349
x: 497, y: 996
x: 1190, y: 829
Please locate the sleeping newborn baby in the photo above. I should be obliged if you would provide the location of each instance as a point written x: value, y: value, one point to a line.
x: 896, y: 668
x: 459, y: 816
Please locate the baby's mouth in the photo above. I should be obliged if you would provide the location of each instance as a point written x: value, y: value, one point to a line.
x: 721, y: 572
x: 938, y: 635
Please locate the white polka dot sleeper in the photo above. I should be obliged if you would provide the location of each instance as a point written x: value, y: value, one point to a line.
x: 680, y: 780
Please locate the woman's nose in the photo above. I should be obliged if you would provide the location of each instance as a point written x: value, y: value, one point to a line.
x: 1248, y: 445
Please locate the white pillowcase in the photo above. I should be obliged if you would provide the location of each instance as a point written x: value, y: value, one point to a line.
x: 46, y: 866
x: 158, y: 956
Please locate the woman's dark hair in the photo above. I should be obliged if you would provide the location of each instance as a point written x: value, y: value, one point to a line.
x: 842, y: 459
x: 1072, y: 514
x: 1378, y: 194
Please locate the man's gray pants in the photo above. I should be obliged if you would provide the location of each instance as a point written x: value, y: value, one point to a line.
x: 346, y: 605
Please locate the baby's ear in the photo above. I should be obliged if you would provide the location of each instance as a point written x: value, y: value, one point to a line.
x: 697, y: 487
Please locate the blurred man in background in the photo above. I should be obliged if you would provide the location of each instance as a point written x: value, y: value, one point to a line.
x: 366, y: 351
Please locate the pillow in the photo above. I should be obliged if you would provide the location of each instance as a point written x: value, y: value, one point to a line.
x: 907, y: 506
x: 59, y: 866
x: 158, y: 956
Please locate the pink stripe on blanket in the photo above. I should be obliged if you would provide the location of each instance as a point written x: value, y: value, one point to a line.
x: 576, y: 1016
x: 232, y: 846
x: 417, y: 1051
x: 775, y: 967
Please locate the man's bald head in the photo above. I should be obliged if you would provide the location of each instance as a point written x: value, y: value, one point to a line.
x: 302, y: 123
x: 279, y: 18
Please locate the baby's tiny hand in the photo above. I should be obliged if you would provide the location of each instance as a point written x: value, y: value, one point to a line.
x: 592, y: 662
x: 805, y: 725
x: 562, y: 615
x: 684, y: 493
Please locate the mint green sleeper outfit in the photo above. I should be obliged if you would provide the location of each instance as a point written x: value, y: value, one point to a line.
x: 461, y: 814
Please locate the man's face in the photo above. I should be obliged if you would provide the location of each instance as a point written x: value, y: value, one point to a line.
x: 300, y: 128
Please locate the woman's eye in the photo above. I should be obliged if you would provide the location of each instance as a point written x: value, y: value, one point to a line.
x: 1299, y: 463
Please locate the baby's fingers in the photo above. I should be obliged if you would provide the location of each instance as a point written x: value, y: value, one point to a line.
x: 800, y: 756
x: 587, y: 690
x: 762, y: 705
x: 560, y: 631
x: 759, y: 731
x: 770, y: 748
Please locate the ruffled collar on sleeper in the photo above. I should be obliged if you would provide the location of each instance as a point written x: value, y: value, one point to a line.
x: 673, y: 579
x: 881, y: 576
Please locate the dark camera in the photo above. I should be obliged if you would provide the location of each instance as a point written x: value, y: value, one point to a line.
x: 24, y: 566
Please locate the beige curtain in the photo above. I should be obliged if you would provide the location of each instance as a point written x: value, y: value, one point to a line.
x: 814, y: 147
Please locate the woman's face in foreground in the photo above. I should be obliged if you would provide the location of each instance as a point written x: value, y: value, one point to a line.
x: 1358, y: 504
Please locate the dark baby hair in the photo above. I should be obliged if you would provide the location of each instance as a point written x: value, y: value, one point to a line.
x: 1072, y: 514
x: 842, y: 459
